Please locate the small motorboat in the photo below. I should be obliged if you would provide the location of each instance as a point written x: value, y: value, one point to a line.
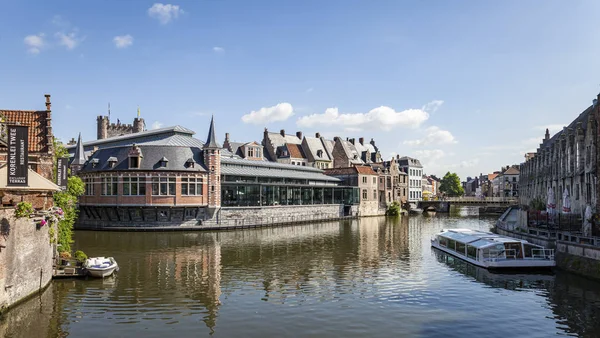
x: 101, y: 267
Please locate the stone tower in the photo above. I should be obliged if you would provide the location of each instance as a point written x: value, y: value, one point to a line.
x: 212, y: 160
x: 102, y: 124
x: 138, y: 125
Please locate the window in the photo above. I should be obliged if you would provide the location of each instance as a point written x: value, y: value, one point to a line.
x: 134, y: 162
x: 303, y: 164
x: 319, y: 153
x: 374, y: 180
x: 191, y: 186
x: 374, y: 194
x: 250, y: 152
x: 364, y: 179
x: 109, y: 186
x: 134, y: 186
x: 89, y: 186
x: 364, y: 194
x: 163, y: 186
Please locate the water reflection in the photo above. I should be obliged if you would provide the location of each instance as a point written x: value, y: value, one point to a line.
x: 372, y: 277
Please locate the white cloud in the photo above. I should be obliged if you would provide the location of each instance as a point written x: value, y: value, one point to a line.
x: 309, y: 90
x: 429, y: 155
x: 280, y: 112
x: 164, y: 13
x: 435, y: 135
x: 34, y: 43
x: 57, y: 20
x: 157, y: 125
x: 432, y: 106
x: 70, y: 40
x: 218, y: 49
x: 465, y: 164
x: 383, y: 118
x: 123, y: 41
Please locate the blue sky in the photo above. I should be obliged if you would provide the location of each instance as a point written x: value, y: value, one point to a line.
x: 465, y: 86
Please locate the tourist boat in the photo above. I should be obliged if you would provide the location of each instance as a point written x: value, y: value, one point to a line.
x: 101, y: 267
x: 492, y: 251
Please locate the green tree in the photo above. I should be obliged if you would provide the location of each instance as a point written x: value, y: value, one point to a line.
x: 451, y: 186
x: 67, y: 201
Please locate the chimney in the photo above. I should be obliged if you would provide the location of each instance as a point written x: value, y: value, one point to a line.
x: 352, y: 140
x: 282, y: 132
x: 362, y: 140
x: 373, y: 142
x: 299, y: 134
x: 318, y: 135
x: 48, y: 104
x: 226, y: 137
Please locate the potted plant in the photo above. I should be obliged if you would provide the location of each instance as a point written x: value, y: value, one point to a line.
x: 64, y: 258
x: 81, y: 257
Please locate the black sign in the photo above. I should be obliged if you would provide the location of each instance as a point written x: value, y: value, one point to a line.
x: 18, y: 160
x: 61, y: 172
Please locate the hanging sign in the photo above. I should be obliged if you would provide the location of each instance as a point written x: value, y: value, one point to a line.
x: 61, y: 172
x: 18, y: 160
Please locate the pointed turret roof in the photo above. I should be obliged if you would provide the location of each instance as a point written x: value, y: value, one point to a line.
x: 79, y: 158
x: 211, y: 141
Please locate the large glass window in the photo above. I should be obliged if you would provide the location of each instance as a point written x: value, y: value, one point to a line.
x: 89, y: 186
x: 471, y: 252
x: 163, y: 186
x: 318, y: 196
x: 328, y: 195
x: 134, y: 186
x: 460, y: 248
x: 109, y: 186
x: 191, y: 186
x: 307, y: 196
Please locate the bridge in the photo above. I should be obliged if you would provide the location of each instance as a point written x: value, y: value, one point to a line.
x: 443, y: 205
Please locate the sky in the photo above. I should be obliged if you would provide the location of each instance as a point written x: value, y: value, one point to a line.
x: 465, y: 86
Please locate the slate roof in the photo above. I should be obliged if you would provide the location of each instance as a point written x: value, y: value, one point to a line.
x: 80, y: 157
x: 241, y: 167
x: 144, y: 136
x: 359, y: 169
x: 177, y: 157
x: 211, y: 139
x: 583, y: 118
x: 37, y: 121
x: 313, y: 145
x: 409, y: 161
x: 278, y: 141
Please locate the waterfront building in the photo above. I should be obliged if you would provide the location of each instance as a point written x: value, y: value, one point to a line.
x: 427, y: 186
x: 511, y: 182
x: 298, y: 150
x: 413, y: 167
x: 40, y: 153
x: 366, y: 180
x: 168, y: 177
x: 385, y: 186
x: 566, y: 160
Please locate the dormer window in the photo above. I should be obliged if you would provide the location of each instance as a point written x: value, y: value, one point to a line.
x: 163, y: 162
x: 134, y: 162
x: 190, y: 163
x: 95, y: 162
x: 112, y: 161
x: 319, y: 153
x: 135, y: 157
x: 250, y: 152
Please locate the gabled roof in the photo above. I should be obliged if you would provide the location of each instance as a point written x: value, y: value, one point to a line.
x: 295, y: 151
x: 353, y: 170
x: 512, y: 171
x: 491, y: 176
x: 278, y: 141
x: 315, y: 147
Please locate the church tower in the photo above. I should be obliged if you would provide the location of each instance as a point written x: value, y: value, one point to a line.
x: 212, y: 160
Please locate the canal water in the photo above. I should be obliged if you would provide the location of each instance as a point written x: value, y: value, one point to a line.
x: 373, y: 277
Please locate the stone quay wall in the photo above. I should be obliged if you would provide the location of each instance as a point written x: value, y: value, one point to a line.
x: 26, y: 258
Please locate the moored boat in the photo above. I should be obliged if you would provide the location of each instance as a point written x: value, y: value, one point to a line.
x: 492, y: 251
x: 101, y: 267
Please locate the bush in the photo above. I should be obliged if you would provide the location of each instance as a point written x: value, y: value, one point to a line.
x: 23, y: 209
x: 393, y: 209
x: 80, y: 256
x: 65, y: 255
x: 537, y: 204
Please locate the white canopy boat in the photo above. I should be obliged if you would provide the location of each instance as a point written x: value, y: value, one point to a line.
x: 101, y: 266
x: 492, y: 251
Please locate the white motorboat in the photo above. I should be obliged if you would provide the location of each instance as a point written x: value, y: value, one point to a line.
x: 101, y: 267
x: 493, y: 251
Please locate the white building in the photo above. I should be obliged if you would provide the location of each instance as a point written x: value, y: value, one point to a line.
x: 414, y: 169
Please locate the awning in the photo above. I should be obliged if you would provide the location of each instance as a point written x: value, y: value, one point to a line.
x: 36, y: 182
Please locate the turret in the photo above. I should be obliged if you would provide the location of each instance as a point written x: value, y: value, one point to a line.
x: 212, y: 160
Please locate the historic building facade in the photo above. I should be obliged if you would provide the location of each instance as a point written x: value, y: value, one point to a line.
x: 565, y: 161
x: 414, y: 169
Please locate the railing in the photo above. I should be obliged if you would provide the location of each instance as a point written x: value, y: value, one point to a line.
x: 560, y: 222
x: 542, y: 254
x: 506, y: 254
x: 482, y: 199
x: 578, y: 238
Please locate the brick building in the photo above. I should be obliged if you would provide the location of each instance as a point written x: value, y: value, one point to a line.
x: 367, y: 181
x: 41, y: 152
